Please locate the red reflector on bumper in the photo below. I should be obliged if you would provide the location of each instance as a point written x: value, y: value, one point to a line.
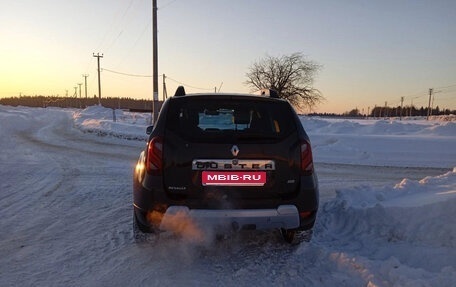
x: 304, y: 214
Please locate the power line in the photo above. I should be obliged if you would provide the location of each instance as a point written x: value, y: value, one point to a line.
x: 448, y: 98
x: 183, y: 84
x: 116, y: 23
x: 149, y: 76
x: 146, y: 27
x: 167, y: 4
x: 127, y: 74
x: 446, y: 87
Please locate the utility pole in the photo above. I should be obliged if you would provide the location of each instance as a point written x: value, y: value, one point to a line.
x: 429, y: 113
x: 165, y: 92
x: 75, y: 92
x: 85, y: 84
x: 79, y: 84
x: 155, y: 61
x: 98, y: 56
x: 220, y: 87
x: 402, y: 103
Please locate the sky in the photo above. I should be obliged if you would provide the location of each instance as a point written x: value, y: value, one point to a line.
x: 370, y: 52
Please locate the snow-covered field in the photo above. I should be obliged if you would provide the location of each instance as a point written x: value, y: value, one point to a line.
x: 387, y: 215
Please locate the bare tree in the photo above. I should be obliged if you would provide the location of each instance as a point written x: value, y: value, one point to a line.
x: 291, y: 76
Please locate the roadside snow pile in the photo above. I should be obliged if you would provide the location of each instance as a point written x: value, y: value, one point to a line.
x: 378, y: 127
x: 382, y: 142
x: 358, y: 142
x: 395, y: 236
x: 407, y: 193
x: 108, y: 122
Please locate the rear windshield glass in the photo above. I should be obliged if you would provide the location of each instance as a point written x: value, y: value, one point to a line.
x: 223, y: 119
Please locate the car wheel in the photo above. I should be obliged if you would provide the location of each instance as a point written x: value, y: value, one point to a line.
x: 296, y: 236
x: 143, y: 234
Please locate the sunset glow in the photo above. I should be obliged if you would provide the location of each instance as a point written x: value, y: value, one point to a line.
x: 371, y: 53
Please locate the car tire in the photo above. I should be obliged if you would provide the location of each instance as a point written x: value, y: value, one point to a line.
x: 296, y: 236
x: 143, y: 234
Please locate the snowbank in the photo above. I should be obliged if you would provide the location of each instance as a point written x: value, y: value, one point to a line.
x: 396, y: 236
x: 110, y: 122
x: 407, y: 143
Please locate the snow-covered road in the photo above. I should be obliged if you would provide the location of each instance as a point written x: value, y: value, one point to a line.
x: 65, y: 209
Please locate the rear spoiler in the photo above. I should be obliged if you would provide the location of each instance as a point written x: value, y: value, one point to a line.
x: 180, y: 91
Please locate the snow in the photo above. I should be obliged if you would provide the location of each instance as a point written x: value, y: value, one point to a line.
x: 408, y: 143
x: 65, y: 208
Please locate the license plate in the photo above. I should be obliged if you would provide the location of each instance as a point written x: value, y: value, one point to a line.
x: 230, y: 178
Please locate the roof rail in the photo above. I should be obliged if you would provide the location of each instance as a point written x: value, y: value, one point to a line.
x: 180, y: 91
x: 268, y: 93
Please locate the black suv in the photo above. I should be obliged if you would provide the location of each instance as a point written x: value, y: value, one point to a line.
x: 226, y: 160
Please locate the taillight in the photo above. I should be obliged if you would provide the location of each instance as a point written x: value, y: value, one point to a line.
x: 154, y: 163
x: 306, y: 158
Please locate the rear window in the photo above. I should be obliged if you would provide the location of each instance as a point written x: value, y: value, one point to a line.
x: 198, y: 119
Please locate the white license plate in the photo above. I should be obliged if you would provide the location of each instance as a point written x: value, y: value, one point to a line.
x: 231, y: 178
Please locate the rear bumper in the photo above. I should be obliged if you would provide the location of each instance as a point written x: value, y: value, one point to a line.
x: 285, y: 216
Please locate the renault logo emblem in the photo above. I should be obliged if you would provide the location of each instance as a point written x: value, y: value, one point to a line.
x: 235, y: 150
